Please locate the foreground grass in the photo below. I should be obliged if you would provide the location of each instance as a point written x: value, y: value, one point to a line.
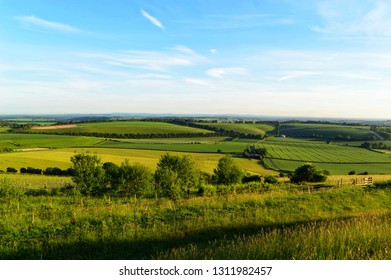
x: 279, y: 223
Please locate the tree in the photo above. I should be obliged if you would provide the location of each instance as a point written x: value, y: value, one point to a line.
x: 227, y: 171
x: 308, y: 173
x: 88, y: 175
x: 134, y: 179
x: 176, y: 175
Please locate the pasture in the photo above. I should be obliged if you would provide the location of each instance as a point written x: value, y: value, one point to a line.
x: 122, y: 128
x: 260, y: 129
x: 25, y: 141
x: 327, y: 131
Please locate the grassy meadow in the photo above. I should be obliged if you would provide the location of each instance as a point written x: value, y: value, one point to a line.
x: 282, y: 222
x: 123, y: 127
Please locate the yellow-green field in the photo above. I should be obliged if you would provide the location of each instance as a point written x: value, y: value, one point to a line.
x: 61, y: 158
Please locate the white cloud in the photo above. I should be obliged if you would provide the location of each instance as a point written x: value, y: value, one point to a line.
x: 353, y: 18
x: 33, y: 21
x: 298, y: 74
x: 228, y: 71
x: 213, y: 51
x: 149, y: 60
x: 152, y: 19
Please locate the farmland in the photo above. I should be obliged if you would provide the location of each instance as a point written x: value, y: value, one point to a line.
x: 122, y: 128
x: 60, y: 158
x: 260, y: 129
x: 49, y: 219
x: 283, y: 154
x: 327, y: 131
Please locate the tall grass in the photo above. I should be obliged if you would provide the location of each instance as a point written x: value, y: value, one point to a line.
x: 280, y: 223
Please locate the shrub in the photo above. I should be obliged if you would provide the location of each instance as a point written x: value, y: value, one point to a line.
x: 89, y: 175
x: 176, y: 176
x: 383, y: 184
x: 11, y: 170
x: 134, y: 179
x: 9, y: 191
x: 308, y: 173
x: 251, y: 178
x: 207, y: 190
x: 352, y: 172
x: 271, y: 179
x: 228, y: 172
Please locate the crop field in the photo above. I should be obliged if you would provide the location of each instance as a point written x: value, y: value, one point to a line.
x: 287, y: 154
x: 327, y: 131
x: 197, y: 147
x: 25, y: 141
x: 244, y: 128
x: 321, y: 152
x: 61, y: 158
x: 124, y: 127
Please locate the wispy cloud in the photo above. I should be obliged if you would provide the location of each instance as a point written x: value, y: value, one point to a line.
x: 237, y: 21
x: 354, y: 19
x: 150, y: 60
x: 227, y: 71
x: 298, y: 74
x: 153, y: 20
x: 31, y: 22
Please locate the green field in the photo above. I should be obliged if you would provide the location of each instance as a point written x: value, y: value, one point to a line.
x: 247, y: 221
x: 124, y: 127
x: 244, y: 128
x: 327, y: 131
x: 284, y: 154
x: 167, y: 145
x: 287, y: 154
x: 61, y: 158
x: 25, y: 141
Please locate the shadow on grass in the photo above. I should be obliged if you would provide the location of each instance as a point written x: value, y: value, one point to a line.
x: 145, y: 249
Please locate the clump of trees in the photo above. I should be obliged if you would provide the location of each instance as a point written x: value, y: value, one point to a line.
x: 308, y: 173
x: 374, y: 145
x: 175, y: 176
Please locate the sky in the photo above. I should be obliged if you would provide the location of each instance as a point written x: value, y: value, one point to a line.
x: 304, y: 58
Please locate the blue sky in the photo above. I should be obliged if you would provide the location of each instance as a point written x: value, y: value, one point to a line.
x: 279, y: 58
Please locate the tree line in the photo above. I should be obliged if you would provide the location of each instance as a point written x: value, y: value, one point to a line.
x: 175, y: 177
